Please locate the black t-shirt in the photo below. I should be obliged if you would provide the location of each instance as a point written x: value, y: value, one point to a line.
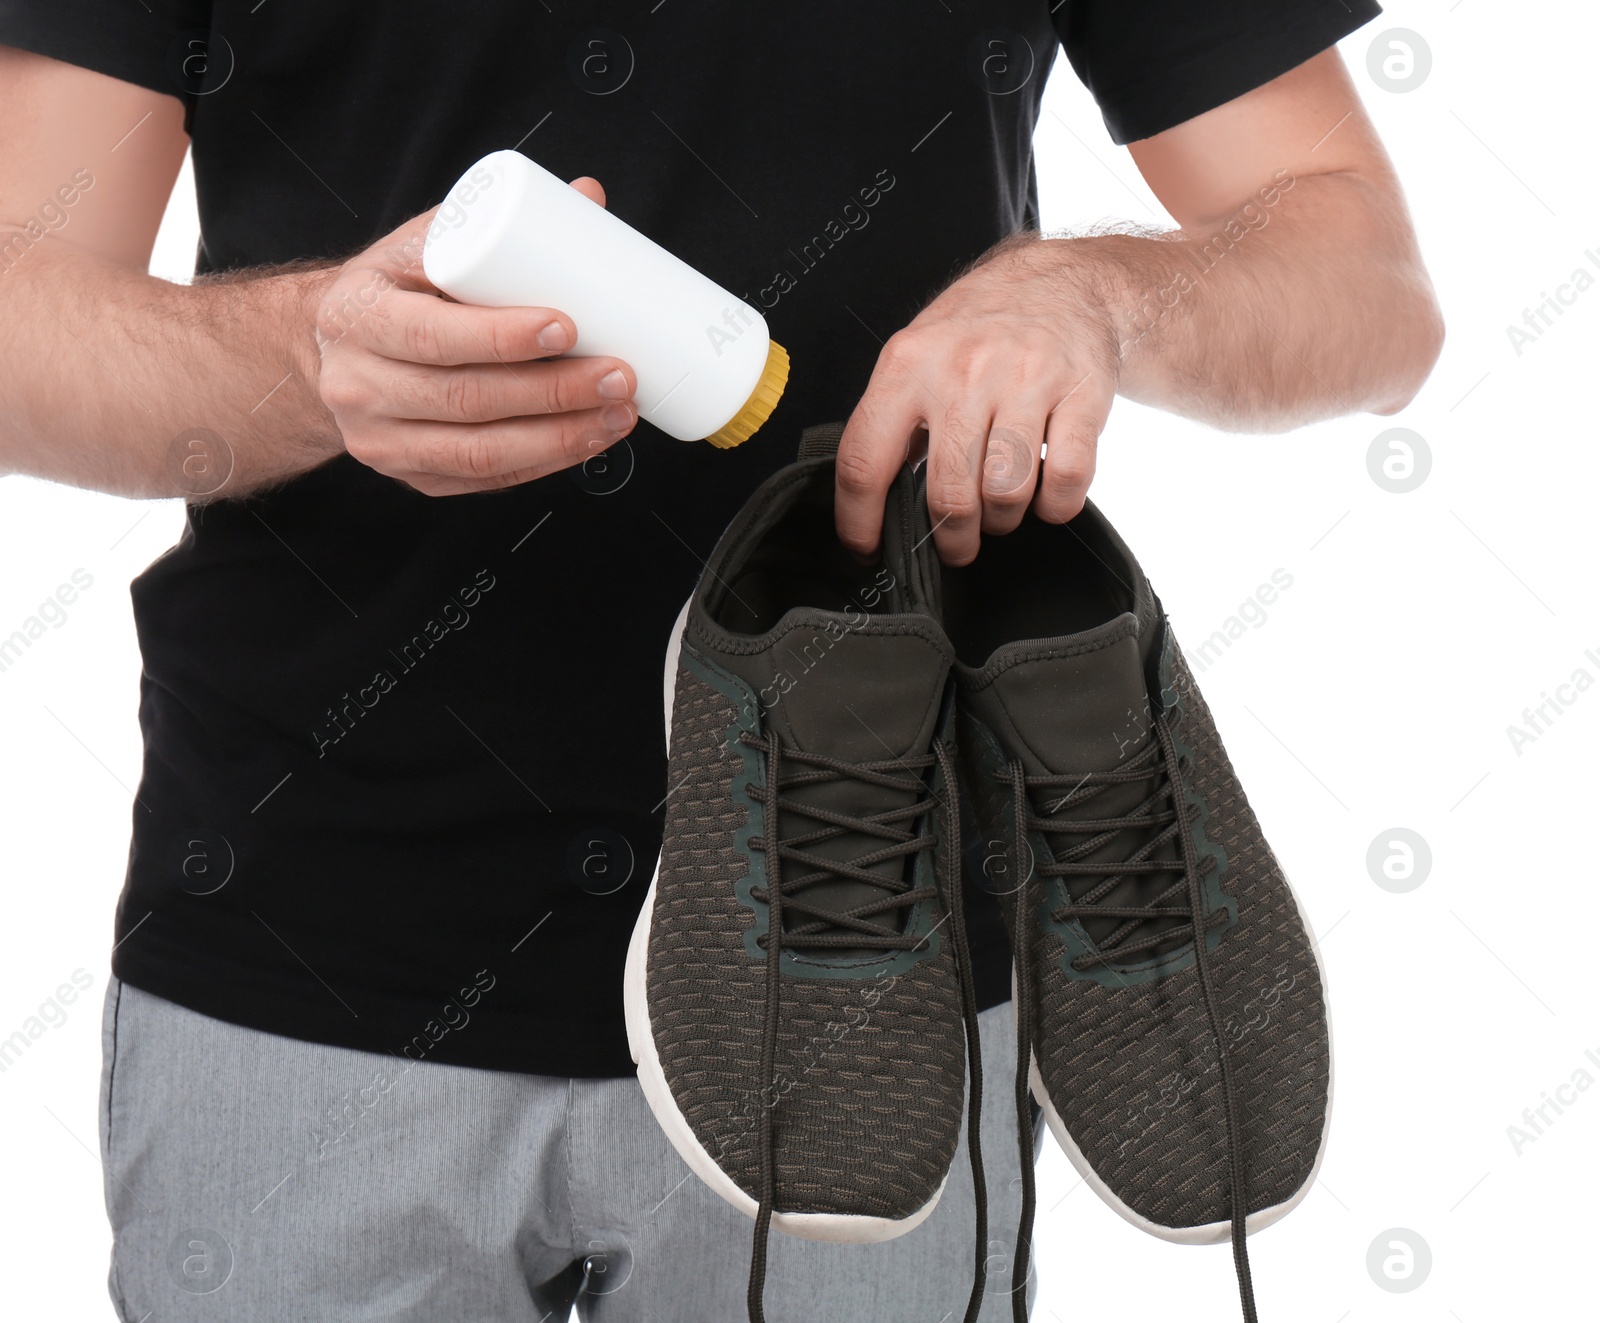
x: 404, y: 764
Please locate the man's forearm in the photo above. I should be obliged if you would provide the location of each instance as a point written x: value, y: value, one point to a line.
x: 117, y: 381
x: 1310, y: 301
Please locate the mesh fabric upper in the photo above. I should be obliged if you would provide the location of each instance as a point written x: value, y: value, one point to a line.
x: 871, y: 1071
x: 1133, y: 1071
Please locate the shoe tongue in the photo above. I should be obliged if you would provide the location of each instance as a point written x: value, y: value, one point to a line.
x: 1073, y: 705
x: 863, y: 691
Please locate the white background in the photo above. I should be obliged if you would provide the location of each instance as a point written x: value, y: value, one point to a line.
x: 1376, y: 694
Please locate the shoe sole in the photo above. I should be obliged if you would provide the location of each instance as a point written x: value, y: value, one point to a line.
x: 1210, y: 1233
x: 842, y: 1228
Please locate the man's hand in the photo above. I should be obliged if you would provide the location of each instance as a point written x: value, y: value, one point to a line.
x: 446, y: 397
x: 1021, y: 351
x: 1293, y: 291
x: 450, y: 398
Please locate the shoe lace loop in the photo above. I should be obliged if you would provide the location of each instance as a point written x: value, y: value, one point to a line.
x: 1163, y: 918
x: 874, y: 925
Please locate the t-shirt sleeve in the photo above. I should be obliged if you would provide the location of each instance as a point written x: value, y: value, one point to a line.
x: 1152, y: 64
x: 147, y: 42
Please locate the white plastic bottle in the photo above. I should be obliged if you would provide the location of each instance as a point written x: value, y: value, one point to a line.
x: 510, y: 233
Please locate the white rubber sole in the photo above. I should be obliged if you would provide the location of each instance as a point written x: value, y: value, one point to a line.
x: 834, y: 1227
x: 1211, y: 1233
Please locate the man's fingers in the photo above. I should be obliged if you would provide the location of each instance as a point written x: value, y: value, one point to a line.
x: 1010, y: 470
x: 1071, y: 440
x: 874, y: 446
x: 444, y: 458
x: 453, y: 398
x: 483, y: 392
x: 956, y: 444
x: 590, y: 188
x: 413, y: 327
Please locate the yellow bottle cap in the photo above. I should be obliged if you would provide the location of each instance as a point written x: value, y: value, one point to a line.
x: 763, y: 400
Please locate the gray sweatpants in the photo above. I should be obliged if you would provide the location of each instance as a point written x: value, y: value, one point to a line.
x: 258, y: 1179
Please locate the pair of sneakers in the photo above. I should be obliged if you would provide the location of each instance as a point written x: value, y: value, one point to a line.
x: 799, y: 992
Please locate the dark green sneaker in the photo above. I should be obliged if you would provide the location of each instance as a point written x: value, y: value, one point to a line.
x: 797, y: 995
x: 1166, y: 983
